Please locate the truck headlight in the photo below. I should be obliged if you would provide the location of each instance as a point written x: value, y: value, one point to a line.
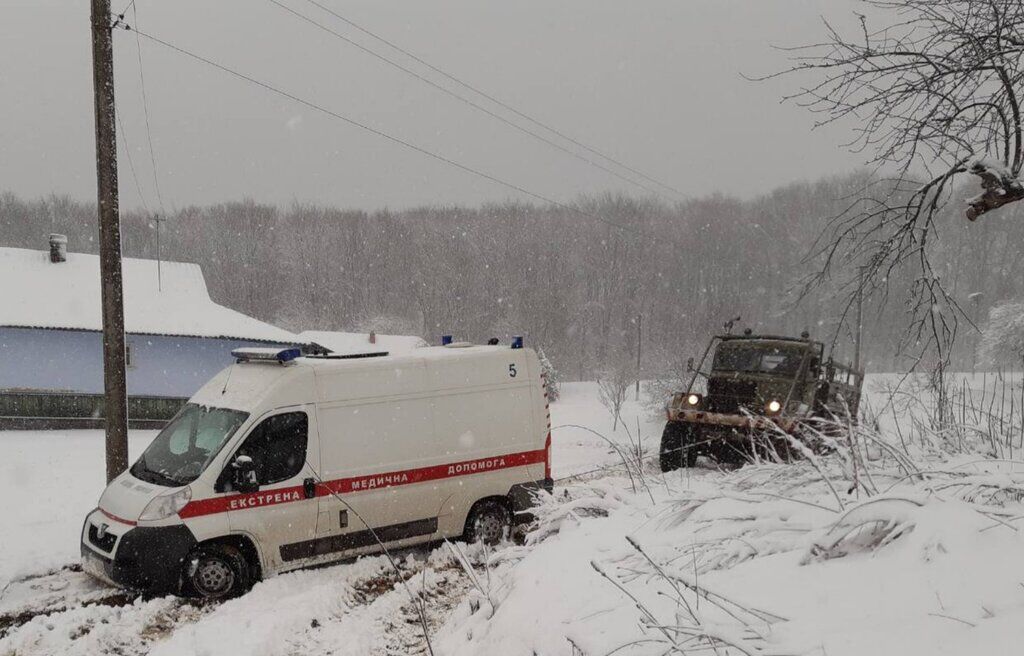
x: 773, y: 407
x: 166, y: 505
x: 693, y: 400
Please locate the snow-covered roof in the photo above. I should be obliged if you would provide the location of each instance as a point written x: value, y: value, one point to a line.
x: 349, y: 343
x: 37, y: 293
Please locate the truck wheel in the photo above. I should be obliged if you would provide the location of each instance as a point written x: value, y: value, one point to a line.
x: 488, y: 522
x: 676, y: 450
x: 217, y: 572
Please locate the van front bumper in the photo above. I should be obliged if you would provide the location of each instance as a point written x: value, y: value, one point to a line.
x: 145, y: 558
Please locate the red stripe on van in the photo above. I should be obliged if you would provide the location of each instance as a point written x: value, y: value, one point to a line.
x: 118, y: 519
x: 363, y: 483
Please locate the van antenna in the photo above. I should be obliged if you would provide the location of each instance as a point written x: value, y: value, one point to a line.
x: 228, y: 379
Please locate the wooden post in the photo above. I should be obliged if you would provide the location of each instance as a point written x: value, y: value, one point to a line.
x: 115, y: 395
x: 860, y: 321
x: 639, y: 344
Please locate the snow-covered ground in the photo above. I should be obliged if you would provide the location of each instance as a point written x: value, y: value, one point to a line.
x: 49, y: 481
x: 770, y: 559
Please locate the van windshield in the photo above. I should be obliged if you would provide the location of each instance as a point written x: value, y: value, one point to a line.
x: 183, y: 449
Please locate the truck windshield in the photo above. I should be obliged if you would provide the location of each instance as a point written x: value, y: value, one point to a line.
x: 181, y: 451
x: 779, y: 360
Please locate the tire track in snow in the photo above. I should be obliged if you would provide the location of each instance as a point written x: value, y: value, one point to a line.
x: 354, y: 607
x: 358, y: 607
x: 72, y: 615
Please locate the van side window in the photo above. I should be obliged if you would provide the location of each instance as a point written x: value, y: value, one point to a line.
x: 278, y: 447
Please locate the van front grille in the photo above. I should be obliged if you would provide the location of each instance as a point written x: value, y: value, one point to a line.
x: 105, y: 543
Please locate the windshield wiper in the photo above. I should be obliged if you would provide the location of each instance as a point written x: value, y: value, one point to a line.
x: 146, y: 474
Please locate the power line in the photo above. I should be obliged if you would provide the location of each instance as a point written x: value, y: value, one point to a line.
x: 463, y: 99
x: 131, y: 5
x: 493, y: 99
x: 131, y: 165
x: 375, y: 131
x: 145, y: 109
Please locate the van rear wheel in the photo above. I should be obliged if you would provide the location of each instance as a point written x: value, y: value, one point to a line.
x: 217, y: 572
x: 488, y: 522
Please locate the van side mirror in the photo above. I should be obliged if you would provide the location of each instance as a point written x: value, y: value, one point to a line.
x: 243, y: 477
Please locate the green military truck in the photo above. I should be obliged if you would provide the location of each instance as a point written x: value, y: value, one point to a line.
x: 755, y: 387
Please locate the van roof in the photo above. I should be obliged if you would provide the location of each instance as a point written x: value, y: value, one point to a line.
x: 388, y: 359
x: 247, y: 386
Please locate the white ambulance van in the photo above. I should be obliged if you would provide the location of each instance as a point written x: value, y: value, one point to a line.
x: 284, y: 461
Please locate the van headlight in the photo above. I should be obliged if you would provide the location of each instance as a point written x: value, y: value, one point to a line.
x: 166, y: 505
x: 773, y: 407
x: 693, y: 400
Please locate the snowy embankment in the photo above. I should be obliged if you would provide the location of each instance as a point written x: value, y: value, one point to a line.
x: 762, y: 560
x: 870, y: 550
x: 899, y: 542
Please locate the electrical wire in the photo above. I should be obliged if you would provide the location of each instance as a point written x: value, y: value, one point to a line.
x: 380, y: 133
x: 131, y: 164
x: 131, y: 5
x: 493, y: 99
x: 465, y: 100
x: 145, y: 109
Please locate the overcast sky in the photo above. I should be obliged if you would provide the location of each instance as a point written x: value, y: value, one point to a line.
x: 654, y: 83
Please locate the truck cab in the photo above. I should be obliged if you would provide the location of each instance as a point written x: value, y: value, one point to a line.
x: 749, y: 386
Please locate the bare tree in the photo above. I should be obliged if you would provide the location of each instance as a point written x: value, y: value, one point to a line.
x: 613, y: 385
x: 934, y: 92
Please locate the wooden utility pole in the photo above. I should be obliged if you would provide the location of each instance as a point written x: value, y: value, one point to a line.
x: 115, y: 395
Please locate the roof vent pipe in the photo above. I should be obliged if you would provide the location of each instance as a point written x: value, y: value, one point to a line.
x: 58, y: 248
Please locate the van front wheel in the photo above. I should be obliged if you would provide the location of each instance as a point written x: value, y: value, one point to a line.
x: 488, y: 522
x: 217, y: 572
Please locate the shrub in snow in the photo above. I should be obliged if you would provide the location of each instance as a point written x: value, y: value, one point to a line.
x: 1002, y: 339
x: 550, y: 376
x: 612, y: 387
x: 671, y: 377
x: 571, y: 504
x: 867, y: 527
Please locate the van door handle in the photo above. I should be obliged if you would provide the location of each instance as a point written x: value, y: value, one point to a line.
x: 309, y: 487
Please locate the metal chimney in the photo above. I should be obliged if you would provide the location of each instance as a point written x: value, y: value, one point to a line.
x: 58, y: 248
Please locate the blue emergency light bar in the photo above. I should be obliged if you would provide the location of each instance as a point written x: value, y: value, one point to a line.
x: 517, y: 342
x: 258, y: 354
x: 446, y: 340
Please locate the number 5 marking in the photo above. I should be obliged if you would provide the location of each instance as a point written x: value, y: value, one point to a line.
x: 512, y: 371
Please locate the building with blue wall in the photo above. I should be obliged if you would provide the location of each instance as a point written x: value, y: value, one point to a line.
x: 51, y: 356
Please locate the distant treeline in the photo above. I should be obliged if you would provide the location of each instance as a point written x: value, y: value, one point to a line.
x: 571, y: 284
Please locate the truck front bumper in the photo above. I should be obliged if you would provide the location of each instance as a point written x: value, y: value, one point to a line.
x: 742, y: 423
x: 144, y: 558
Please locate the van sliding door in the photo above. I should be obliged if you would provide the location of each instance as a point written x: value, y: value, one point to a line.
x: 376, y: 458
